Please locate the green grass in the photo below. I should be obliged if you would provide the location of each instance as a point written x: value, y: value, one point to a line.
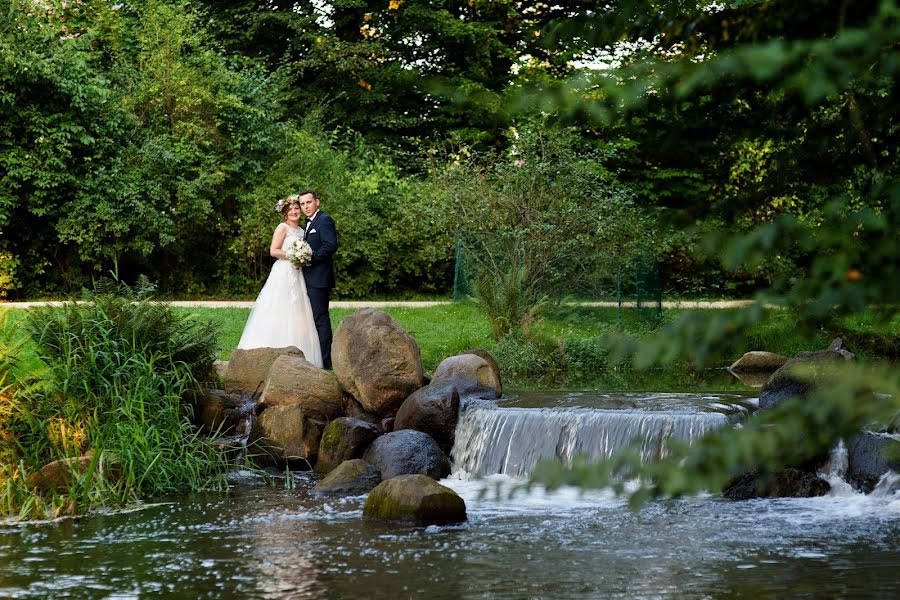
x: 565, y: 351
x: 440, y: 331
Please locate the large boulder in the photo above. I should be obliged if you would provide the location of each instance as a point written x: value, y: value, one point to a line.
x: 248, y: 369
x: 472, y: 375
x: 415, y: 499
x: 284, y: 434
x: 801, y: 373
x: 756, y: 361
x: 224, y: 413
x: 490, y: 360
x: 294, y: 380
x: 787, y: 483
x: 870, y: 455
x: 407, y: 452
x: 350, y: 478
x: 376, y: 361
x: 433, y: 409
x: 344, y: 439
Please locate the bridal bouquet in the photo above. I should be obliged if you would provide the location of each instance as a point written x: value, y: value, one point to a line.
x: 299, y: 253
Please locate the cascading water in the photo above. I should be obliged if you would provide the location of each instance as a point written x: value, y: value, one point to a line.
x: 511, y: 441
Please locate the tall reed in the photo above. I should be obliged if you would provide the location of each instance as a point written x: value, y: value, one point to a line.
x: 118, y: 367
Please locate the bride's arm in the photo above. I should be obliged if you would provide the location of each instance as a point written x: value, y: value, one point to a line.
x: 277, y: 240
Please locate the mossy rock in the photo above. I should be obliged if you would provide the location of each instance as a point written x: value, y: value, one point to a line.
x: 342, y: 440
x: 350, y: 478
x: 415, y: 499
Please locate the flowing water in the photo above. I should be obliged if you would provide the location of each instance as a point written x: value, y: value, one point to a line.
x: 261, y: 541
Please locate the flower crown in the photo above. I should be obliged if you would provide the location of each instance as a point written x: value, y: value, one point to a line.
x: 286, y: 201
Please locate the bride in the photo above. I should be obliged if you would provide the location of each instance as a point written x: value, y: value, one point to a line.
x: 282, y: 315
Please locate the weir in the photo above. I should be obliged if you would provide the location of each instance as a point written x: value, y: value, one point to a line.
x: 512, y: 441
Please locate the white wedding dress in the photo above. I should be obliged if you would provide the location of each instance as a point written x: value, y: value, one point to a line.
x: 282, y: 315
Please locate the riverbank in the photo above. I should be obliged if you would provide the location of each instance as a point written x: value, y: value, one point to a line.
x: 567, y: 347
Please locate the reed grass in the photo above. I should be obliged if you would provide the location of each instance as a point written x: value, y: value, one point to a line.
x: 111, y: 386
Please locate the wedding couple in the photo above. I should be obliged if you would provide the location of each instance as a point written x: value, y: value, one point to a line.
x: 292, y: 307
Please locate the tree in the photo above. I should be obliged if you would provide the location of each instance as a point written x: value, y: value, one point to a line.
x: 384, y: 68
x: 839, y: 213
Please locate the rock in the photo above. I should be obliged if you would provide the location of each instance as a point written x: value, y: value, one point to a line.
x: 407, y: 452
x: 471, y: 374
x: 233, y: 447
x: 755, y: 361
x: 785, y: 383
x: 752, y: 378
x: 787, y: 483
x: 293, y: 380
x: 490, y: 360
x: 354, y: 409
x: 220, y: 368
x: 60, y: 475
x: 869, y: 456
x: 387, y: 424
x: 247, y: 369
x: 224, y: 413
x: 284, y: 434
x: 350, y: 478
x: 344, y: 439
x: 433, y: 409
x: 416, y: 499
x: 376, y: 361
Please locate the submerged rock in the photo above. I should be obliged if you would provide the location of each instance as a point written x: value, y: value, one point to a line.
x: 351, y: 478
x: 416, y: 499
x: 787, y: 483
x: 342, y: 440
x: 869, y: 456
x: 433, y: 409
x: 376, y: 361
x: 248, y: 369
x: 407, y: 452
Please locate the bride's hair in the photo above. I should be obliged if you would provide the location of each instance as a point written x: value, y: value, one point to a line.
x: 285, y: 203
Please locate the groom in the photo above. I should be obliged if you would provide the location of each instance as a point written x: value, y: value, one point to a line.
x: 321, y: 235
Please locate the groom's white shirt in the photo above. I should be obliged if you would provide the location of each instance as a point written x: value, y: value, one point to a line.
x: 310, y: 220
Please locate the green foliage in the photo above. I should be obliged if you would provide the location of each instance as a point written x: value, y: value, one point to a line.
x: 508, y: 304
x: 375, y: 66
x: 828, y: 200
x: 393, y: 234
x: 118, y: 366
x: 122, y: 135
x: 544, y: 220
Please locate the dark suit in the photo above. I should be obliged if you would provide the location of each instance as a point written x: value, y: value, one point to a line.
x: 319, y: 276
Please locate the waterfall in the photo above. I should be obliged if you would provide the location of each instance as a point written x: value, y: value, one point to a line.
x: 512, y: 440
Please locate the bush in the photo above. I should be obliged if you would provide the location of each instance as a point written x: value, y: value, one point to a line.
x: 117, y: 368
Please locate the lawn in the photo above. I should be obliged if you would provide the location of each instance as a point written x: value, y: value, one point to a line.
x: 566, y: 348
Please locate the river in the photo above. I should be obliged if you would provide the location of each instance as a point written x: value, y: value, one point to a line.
x: 265, y: 541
